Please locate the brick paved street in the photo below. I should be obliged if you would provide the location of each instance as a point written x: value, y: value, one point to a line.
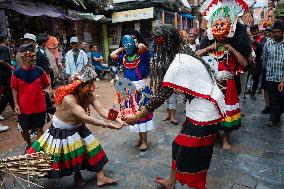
x: 256, y: 160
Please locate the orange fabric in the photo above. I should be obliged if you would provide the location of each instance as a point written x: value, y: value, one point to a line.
x: 61, y: 92
x: 50, y: 44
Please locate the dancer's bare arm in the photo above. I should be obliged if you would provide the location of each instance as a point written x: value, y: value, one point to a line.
x: 114, y: 54
x: 101, y: 110
x: 155, y: 102
x: 242, y: 61
x: 72, y: 105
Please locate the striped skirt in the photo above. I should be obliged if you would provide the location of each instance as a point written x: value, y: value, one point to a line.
x: 232, y: 120
x: 72, y: 150
x: 192, y: 151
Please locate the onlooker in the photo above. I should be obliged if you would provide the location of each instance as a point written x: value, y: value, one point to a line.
x: 28, y: 38
x: 192, y: 42
x: 75, y: 59
x: 42, y: 61
x: 28, y: 82
x: 266, y: 110
x: 84, y: 46
x: 52, y: 45
x: 114, y: 69
x: 97, y: 62
x: 5, y: 77
x: 258, y: 41
x: 171, y: 106
x: 273, y: 54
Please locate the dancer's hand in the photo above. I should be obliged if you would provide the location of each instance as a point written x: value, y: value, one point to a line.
x: 131, y: 119
x: 281, y: 87
x: 113, y: 126
x: 212, y: 47
x: 119, y: 120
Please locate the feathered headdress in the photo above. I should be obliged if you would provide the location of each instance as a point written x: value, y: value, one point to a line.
x: 86, y: 74
x: 229, y: 10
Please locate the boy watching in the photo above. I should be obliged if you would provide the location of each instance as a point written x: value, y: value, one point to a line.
x: 28, y: 83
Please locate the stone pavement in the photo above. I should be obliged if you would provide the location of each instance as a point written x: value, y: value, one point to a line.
x: 256, y: 160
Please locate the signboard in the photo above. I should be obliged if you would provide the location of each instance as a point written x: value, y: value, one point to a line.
x: 121, y: 1
x: 138, y: 14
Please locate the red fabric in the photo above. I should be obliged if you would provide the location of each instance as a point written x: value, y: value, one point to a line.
x: 31, y: 95
x: 31, y: 150
x: 231, y: 97
x: 230, y: 64
x: 131, y: 65
x: 1, y: 90
x: 150, y: 116
x: 190, y: 141
x: 138, y: 73
x: 193, y: 93
x: 98, y: 157
x: 232, y: 113
x: 61, y: 92
x: 204, y: 123
x: 52, y: 44
x: 193, y: 180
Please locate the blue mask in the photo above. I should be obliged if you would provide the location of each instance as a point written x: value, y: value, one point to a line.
x: 129, y: 44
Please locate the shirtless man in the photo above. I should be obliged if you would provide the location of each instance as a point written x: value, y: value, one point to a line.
x: 72, y: 146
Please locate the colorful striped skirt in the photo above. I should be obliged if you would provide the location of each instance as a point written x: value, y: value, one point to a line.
x: 192, y: 151
x: 232, y: 120
x: 72, y: 150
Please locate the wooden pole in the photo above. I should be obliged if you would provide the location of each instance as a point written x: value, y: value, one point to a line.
x: 180, y: 22
x: 163, y: 17
x: 175, y: 20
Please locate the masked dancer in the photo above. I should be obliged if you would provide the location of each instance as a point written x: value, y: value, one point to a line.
x: 135, y: 57
x: 72, y: 146
x: 176, y: 68
x: 229, y: 44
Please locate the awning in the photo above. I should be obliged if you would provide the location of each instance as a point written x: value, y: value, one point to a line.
x: 32, y: 8
x: 188, y: 15
x: 35, y: 8
x: 84, y: 15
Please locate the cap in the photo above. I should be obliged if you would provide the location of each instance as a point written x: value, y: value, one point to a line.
x: 30, y: 36
x: 74, y: 40
x: 26, y: 47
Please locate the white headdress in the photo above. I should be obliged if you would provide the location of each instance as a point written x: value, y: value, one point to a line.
x: 229, y: 10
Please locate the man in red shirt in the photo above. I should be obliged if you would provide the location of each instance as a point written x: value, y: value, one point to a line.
x: 28, y: 82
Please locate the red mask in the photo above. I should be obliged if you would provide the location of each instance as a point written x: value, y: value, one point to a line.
x: 221, y: 29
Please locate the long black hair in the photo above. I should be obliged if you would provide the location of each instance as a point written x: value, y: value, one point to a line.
x: 165, y: 54
x: 135, y: 33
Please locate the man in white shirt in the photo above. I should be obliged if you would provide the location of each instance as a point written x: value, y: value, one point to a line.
x: 76, y: 58
x: 192, y: 41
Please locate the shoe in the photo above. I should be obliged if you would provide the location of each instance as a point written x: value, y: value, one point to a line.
x: 248, y: 91
x: 266, y: 110
x: 252, y: 96
x: 259, y: 92
x: 1, y: 118
x: 112, y: 81
x: 3, y: 128
x: 97, y: 79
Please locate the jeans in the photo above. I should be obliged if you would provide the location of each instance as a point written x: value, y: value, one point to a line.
x: 276, y: 101
x: 100, y: 68
x: 7, y: 96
